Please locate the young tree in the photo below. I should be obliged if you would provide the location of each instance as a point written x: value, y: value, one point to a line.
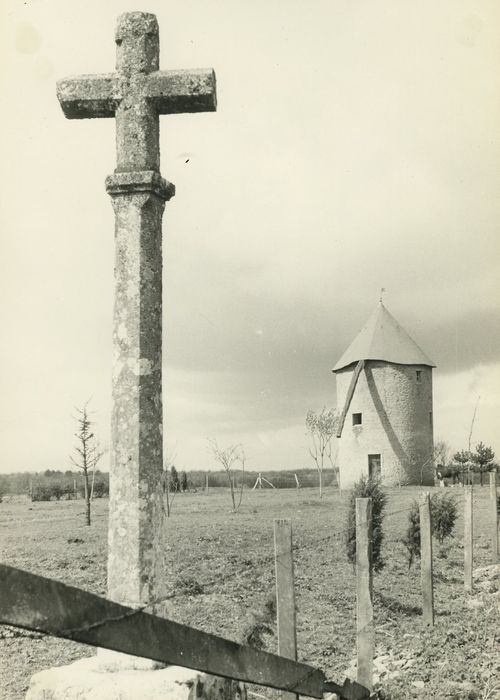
x: 411, y: 539
x: 366, y: 488
x: 321, y: 429
x: 174, y: 482
x: 464, y: 461
x: 184, y: 482
x: 229, y: 458
x: 483, y: 459
x: 88, y: 452
x: 443, y: 516
x: 170, y: 482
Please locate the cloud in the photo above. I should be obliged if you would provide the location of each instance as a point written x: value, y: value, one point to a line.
x: 231, y: 320
x: 354, y: 147
x: 456, y: 396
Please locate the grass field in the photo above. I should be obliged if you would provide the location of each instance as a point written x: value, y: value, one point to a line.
x: 221, y: 568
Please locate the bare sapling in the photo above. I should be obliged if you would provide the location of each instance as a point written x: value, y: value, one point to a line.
x: 88, y: 453
x: 321, y: 428
x: 231, y: 458
x: 170, y: 483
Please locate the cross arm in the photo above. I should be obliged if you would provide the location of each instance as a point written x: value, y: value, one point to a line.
x: 181, y: 91
x: 88, y: 96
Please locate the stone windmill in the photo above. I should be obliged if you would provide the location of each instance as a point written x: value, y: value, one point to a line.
x: 384, y: 400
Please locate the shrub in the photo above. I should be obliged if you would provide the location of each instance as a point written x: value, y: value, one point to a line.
x: 443, y: 517
x: 366, y: 488
x: 56, y: 490
x: 260, y: 624
x: 67, y: 491
x: 188, y: 585
x: 41, y: 493
x: 411, y: 540
x: 101, y: 489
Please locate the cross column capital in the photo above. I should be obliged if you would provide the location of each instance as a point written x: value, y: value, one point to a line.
x: 138, y: 182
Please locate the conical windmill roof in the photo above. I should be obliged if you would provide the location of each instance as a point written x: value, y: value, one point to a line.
x: 382, y: 338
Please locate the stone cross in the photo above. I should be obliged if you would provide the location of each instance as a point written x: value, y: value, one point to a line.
x: 135, y: 96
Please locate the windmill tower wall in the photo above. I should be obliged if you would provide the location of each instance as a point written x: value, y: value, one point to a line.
x: 390, y: 415
x: 384, y: 399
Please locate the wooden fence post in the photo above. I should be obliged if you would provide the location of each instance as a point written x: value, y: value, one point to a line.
x: 494, y: 516
x: 426, y: 559
x: 285, y: 594
x: 206, y: 483
x: 364, y: 608
x: 468, y: 538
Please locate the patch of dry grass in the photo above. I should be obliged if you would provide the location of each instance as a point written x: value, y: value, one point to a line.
x: 221, y: 571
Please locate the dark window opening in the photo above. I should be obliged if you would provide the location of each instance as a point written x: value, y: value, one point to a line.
x: 356, y: 419
x: 374, y: 466
x: 430, y: 418
x: 419, y: 376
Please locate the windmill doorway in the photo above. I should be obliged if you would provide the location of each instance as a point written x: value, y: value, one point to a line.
x: 374, y: 466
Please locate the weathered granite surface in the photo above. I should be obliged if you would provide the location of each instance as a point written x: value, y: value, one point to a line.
x: 135, y: 508
x: 136, y: 94
x: 87, y: 679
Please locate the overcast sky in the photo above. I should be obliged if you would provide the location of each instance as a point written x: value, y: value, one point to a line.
x: 356, y: 146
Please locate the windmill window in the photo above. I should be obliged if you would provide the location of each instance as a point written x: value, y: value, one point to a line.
x: 419, y: 376
x: 357, y: 418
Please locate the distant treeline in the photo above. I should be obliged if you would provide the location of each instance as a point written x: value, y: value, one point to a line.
x: 279, y: 479
x: 53, y: 484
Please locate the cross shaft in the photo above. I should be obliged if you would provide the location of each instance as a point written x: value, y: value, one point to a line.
x: 136, y: 94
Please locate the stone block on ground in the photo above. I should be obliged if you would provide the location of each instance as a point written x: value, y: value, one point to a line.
x: 88, y: 679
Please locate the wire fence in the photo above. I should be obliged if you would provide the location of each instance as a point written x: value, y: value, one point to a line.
x: 212, y: 584
x: 266, y: 560
x: 299, y: 548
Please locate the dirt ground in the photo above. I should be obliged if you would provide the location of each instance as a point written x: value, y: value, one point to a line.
x: 221, y: 570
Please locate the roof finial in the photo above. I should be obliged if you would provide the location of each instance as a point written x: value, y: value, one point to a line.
x: 382, y: 294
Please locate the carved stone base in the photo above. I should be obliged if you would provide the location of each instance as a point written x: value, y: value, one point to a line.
x: 90, y: 679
